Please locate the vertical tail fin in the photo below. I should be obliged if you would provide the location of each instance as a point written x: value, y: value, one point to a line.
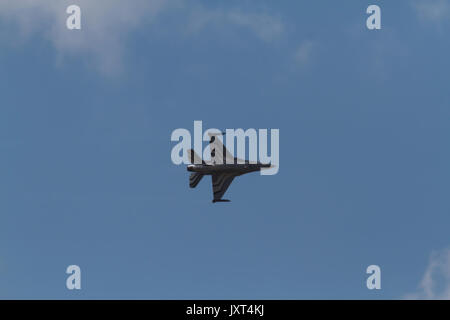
x: 194, y: 158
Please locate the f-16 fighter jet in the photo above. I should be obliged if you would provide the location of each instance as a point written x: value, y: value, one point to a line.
x: 222, y: 168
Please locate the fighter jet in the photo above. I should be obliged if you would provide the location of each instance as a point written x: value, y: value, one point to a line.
x: 222, y: 168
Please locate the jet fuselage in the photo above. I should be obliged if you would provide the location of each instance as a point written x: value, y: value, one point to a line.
x: 237, y: 169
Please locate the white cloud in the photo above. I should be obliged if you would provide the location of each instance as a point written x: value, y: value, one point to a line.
x: 435, y: 283
x: 432, y: 10
x: 264, y: 26
x: 106, y: 23
x: 304, y: 52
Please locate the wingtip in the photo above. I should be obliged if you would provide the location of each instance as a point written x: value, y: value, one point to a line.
x: 216, y: 133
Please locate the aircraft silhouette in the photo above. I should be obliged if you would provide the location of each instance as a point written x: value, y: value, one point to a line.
x: 222, y: 168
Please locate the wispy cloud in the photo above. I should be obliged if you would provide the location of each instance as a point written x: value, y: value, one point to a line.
x: 106, y: 23
x: 265, y: 26
x: 432, y: 10
x: 435, y: 283
x: 304, y: 52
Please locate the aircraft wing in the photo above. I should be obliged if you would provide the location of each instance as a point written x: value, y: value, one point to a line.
x: 220, y: 184
x: 219, y: 153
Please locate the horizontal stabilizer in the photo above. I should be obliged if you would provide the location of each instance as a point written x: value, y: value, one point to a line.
x: 194, y: 179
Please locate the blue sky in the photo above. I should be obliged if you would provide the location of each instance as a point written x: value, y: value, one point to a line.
x: 86, y: 175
